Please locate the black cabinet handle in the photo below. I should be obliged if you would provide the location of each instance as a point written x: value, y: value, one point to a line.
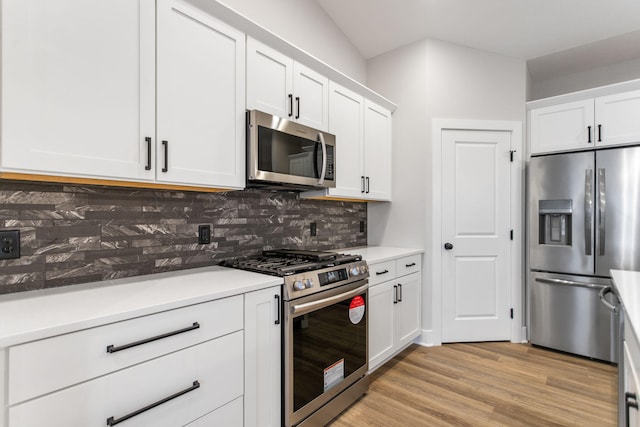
x: 629, y: 402
x: 277, y: 297
x: 362, y: 184
x: 290, y: 104
x: 148, y: 166
x: 111, y: 421
x: 367, y: 185
x: 599, y: 133
x: 378, y: 273
x: 589, y: 132
x: 413, y: 264
x: 298, y: 105
x: 165, y: 144
x: 400, y: 289
x: 395, y: 294
x: 113, y: 349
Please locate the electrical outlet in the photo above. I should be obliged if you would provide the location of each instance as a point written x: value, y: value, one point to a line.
x: 9, y: 244
x: 313, y: 230
x: 362, y: 226
x: 204, y: 234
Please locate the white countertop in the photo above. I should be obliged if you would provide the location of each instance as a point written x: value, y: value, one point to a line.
x: 28, y: 316
x: 373, y: 254
x: 627, y: 285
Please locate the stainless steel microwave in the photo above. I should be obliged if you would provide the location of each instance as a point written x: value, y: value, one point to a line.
x: 287, y: 155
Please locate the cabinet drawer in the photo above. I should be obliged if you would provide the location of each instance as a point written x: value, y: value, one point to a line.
x: 381, y: 272
x: 230, y: 415
x: 408, y: 265
x: 47, y: 365
x: 216, y: 365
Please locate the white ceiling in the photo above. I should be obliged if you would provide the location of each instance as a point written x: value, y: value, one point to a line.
x: 605, y: 30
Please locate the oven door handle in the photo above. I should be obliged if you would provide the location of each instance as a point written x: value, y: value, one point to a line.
x: 300, y: 309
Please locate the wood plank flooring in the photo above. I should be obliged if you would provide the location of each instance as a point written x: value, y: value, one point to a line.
x: 487, y: 384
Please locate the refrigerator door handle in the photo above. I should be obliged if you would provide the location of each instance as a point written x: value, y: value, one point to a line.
x: 602, y: 206
x: 588, y: 210
x: 603, y: 292
x: 569, y: 283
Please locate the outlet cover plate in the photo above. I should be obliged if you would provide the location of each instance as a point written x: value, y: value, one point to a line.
x: 204, y: 234
x: 9, y: 244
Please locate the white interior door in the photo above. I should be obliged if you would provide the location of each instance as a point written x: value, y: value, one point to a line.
x: 476, y: 235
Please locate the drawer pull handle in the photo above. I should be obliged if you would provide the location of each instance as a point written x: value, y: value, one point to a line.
x: 413, y: 264
x: 382, y: 272
x: 111, y: 421
x: 112, y: 348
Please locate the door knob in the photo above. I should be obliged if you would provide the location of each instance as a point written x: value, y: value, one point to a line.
x: 448, y: 246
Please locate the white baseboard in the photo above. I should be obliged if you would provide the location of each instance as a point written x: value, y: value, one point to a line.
x: 426, y: 339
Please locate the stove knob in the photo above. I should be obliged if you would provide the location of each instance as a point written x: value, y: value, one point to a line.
x: 298, y: 285
x: 308, y: 283
x: 363, y: 269
x: 355, y: 271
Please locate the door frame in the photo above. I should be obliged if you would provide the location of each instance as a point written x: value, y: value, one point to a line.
x: 516, y: 277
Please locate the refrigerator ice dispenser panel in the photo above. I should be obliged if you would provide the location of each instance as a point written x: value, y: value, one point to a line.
x: 555, y: 222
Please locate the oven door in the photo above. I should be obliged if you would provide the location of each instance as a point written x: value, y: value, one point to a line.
x: 325, y: 348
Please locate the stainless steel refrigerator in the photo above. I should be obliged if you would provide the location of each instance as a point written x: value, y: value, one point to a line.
x: 584, y: 220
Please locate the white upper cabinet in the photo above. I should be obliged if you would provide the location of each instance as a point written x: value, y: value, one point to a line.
x: 278, y: 85
x: 79, y: 92
x: 377, y: 137
x: 346, y: 121
x: 594, y: 122
x: 201, y: 116
x: 617, y: 118
x: 78, y: 87
x: 562, y: 127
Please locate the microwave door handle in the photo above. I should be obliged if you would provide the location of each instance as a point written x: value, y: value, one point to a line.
x: 324, y: 158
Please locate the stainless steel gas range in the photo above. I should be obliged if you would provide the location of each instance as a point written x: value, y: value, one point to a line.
x: 325, y: 331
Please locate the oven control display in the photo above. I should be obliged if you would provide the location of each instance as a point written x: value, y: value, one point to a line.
x: 334, y: 276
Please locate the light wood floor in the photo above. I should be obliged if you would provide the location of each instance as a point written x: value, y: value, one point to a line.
x: 487, y: 384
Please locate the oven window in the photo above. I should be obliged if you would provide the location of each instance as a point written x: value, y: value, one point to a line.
x: 328, y: 345
x: 291, y: 155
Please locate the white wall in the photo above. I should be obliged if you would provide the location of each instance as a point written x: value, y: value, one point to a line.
x: 305, y: 24
x: 586, y: 79
x: 433, y: 79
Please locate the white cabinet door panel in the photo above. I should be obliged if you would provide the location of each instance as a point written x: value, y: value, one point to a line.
x: 263, y: 355
x: 269, y: 80
x: 381, y: 323
x: 230, y: 415
x: 311, y: 92
x: 377, y: 134
x: 562, y: 127
x: 617, y: 118
x: 78, y: 87
x: 200, y: 98
x: 346, y: 122
x: 408, y: 308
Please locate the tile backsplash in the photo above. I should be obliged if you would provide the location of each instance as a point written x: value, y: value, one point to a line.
x: 72, y: 234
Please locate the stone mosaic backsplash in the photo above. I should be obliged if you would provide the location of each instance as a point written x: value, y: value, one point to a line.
x: 72, y: 234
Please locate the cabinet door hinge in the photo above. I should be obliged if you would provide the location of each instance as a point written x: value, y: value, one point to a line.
x: 511, y: 312
x: 511, y: 234
x: 511, y: 154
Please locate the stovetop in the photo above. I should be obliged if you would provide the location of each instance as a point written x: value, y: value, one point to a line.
x: 285, y: 262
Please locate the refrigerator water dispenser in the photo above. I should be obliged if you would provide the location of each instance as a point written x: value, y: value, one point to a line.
x: 555, y: 222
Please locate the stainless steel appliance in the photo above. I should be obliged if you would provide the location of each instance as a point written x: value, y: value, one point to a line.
x: 583, y: 222
x: 287, y: 155
x: 325, y: 344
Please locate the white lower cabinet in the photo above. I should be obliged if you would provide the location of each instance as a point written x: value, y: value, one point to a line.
x: 230, y: 415
x: 263, y: 355
x: 631, y: 361
x: 209, y: 375
x: 394, y: 307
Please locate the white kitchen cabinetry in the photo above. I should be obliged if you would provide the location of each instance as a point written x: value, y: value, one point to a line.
x: 594, y: 122
x: 278, y: 85
x: 263, y: 357
x: 201, y: 91
x: 363, y: 147
x: 78, y: 87
x: 394, y: 307
x: 631, y: 388
x: 79, y: 92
